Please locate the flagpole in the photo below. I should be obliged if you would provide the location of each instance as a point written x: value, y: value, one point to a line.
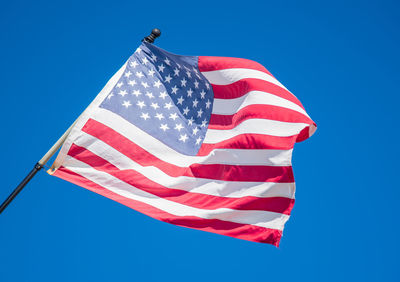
x: 39, y: 165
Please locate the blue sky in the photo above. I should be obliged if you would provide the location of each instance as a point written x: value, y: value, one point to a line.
x: 339, y: 58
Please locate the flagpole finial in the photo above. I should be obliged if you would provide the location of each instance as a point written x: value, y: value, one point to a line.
x: 154, y: 34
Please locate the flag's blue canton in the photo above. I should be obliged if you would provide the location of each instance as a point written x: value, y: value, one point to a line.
x: 166, y: 96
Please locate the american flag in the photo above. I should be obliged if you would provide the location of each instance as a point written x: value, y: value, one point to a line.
x: 200, y: 142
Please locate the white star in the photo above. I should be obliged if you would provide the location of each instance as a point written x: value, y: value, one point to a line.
x: 109, y: 96
x: 185, y: 111
x: 180, y: 100
x: 174, y: 89
x: 208, y: 104
x: 168, y: 62
x: 176, y: 72
x: 189, y: 92
x: 168, y: 105
x: 179, y: 66
x: 145, y: 84
x: 198, y: 140
x: 161, y: 68
x: 128, y: 74
x: 122, y: 93
x: 139, y: 74
x: 207, y: 85
x: 136, y: 93
x: 119, y: 85
x: 183, y: 138
x: 195, y: 130
x: 151, y: 73
x: 145, y: 61
x: 154, y: 106
x: 196, y: 84
x: 133, y: 64
x: 145, y: 116
x: 202, y: 94
x: 157, y: 84
x: 178, y: 126
x: 126, y: 104
x: 141, y: 104
x: 164, y: 127
x: 159, y: 116
x: 173, y: 116
x: 183, y: 82
x: 154, y: 57
x: 138, y: 50
x: 149, y: 94
x: 168, y: 78
x: 132, y: 82
x: 189, y: 75
x: 199, y: 113
x: 204, y: 123
x: 195, y: 102
x: 190, y: 121
x: 163, y: 94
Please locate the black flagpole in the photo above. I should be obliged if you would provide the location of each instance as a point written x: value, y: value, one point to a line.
x: 21, y: 186
x: 39, y: 165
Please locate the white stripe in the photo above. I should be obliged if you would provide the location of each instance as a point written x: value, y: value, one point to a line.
x: 311, y: 130
x: 232, y: 106
x: 165, y: 153
x: 232, y: 189
x: 255, y: 126
x: 229, y: 76
x: 258, y: 218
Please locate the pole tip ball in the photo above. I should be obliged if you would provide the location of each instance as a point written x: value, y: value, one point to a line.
x: 156, y: 32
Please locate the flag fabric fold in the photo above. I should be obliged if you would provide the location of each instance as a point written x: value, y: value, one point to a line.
x: 200, y: 142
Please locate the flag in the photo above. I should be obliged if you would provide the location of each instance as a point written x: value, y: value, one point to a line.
x: 200, y: 142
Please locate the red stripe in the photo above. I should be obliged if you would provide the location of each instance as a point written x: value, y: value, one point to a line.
x: 197, y: 200
x: 304, y: 134
x: 237, y: 230
x: 270, y: 112
x: 208, y: 171
x: 207, y: 63
x: 242, y: 87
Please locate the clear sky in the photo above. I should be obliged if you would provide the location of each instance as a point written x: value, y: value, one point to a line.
x: 341, y: 59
